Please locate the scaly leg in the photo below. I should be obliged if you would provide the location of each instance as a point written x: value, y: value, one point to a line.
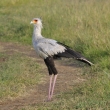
x: 53, y: 86
x: 52, y: 70
x: 50, y: 87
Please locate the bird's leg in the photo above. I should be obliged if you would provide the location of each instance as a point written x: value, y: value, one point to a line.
x: 53, y: 86
x: 50, y: 87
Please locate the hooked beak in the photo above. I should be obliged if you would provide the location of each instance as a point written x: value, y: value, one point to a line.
x: 31, y: 22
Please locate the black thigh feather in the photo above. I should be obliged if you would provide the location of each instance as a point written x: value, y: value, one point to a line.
x: 50, y: 65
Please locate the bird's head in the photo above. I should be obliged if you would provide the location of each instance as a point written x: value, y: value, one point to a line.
x: 37, y: 22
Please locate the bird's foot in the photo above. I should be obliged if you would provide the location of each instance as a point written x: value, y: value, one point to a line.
x: 47, y: 99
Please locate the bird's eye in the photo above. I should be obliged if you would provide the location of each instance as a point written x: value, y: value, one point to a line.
x: 35, y: 20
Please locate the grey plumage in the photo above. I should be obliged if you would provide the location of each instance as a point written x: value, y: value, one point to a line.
x: 48, y: 49
x: 44, y: 47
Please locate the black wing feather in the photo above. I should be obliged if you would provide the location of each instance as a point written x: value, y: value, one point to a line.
x: 69, y: 53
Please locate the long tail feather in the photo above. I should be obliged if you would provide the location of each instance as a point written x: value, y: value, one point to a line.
x: 69, y: 53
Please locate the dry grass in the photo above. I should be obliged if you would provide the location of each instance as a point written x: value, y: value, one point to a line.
x: 83, y: 25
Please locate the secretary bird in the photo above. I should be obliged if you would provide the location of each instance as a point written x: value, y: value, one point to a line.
x: 48, y: 49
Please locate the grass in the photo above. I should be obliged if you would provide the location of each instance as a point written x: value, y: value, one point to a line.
x: 81, y: 24
x: 92, y: 95
x: 16, y: 74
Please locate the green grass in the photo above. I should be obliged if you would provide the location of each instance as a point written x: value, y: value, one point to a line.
x: 17, y: 73
x: 91, y: 95
x: 84, y: 25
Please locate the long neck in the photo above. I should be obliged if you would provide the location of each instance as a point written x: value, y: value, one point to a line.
x: 37, y: 32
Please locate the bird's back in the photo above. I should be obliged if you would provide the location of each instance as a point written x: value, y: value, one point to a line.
x: 47, y: 47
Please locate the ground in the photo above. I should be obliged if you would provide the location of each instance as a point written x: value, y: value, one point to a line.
x: 69, y: 75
